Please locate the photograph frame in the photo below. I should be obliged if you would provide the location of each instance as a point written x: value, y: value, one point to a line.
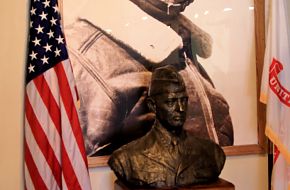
x: 261, y: 146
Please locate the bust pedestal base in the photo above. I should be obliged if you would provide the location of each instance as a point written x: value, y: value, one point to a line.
x: 220, y: 184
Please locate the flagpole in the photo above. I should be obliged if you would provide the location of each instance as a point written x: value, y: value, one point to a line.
x: 270, y: 146
x: 270, y: 163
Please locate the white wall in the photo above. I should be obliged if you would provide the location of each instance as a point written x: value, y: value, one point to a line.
x: 12, y: 55
x: 246, y: 172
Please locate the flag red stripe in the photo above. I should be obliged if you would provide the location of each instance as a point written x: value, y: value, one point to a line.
x: 33, y: 171
x: 28, y: 182
x: 42, y: 141
x: 69, y: 105
x: 49, y: 101
x: 70, y: 78
x: 68, y: 172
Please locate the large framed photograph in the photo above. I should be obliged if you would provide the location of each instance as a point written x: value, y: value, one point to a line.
x: 217, y: 47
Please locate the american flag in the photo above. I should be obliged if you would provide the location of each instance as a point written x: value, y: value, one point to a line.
x: 53, y: 145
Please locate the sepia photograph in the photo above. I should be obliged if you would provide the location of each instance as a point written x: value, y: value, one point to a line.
x: 115, y: 46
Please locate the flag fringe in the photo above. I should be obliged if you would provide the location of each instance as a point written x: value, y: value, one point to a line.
x: 263, y: 98
x: 276, y: 140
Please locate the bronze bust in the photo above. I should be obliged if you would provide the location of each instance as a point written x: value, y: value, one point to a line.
x: 167, y: 156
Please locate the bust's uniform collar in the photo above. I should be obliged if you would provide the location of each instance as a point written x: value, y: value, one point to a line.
x: 166, y: 138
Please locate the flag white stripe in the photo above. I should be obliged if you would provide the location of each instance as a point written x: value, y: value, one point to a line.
x: 40, y: 161
x: 52, y: 81
x: 45, y: 121
x: 28, y: 182
x: 73, y: 152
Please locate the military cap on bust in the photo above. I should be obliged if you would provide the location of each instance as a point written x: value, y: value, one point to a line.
x: 163, y: 78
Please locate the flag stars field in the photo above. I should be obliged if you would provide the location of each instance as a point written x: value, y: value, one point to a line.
x: 46, y: 3
x: 57, y: 52
x: 31, y: 68
x: 53, y: 21
x: 50, y: 34
x: 33, y: 55
x: 46, y: 41
x: 33, y: 11
x: 44, y: 60
x: 59, y: 40
x: 43, y: 16
x: 56, y: 10
x: 47, y: 47
x: 39, y: 29
x: 36, y: 41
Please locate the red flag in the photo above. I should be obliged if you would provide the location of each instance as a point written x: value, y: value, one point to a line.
x: 53, y: 145
x: 275, y: 92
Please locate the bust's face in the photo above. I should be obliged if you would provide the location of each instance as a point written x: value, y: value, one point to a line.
x: 171, y: 109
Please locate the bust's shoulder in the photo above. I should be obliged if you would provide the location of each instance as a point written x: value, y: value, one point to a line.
x: 201, y: 144
x: 128, y: 156
x: 134, y: 147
